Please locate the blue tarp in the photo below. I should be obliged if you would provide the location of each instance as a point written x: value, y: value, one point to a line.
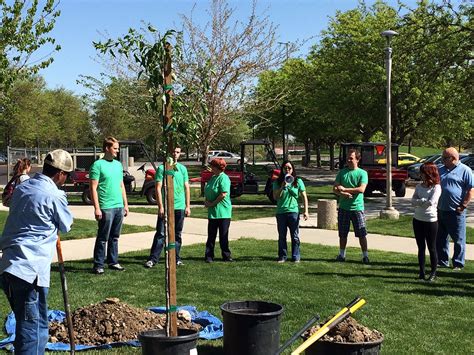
x: 212, y: 329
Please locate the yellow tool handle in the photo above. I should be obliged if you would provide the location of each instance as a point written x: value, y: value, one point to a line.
x: 341, y: 315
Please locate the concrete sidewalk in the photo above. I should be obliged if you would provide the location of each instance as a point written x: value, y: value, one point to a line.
x: 195, y: 231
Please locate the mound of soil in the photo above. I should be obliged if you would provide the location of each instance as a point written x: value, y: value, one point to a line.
x: 348, y: 331
x: 112, y: 321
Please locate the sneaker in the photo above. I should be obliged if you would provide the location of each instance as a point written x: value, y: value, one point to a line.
x: 365, y: 260
x: 149, y: 264
x: 179, y: 263
x: 340, y: 258
x: 281, y: 261
x: 116, y: 267
x: 443, y: 266
x: 228, y: 260
x: 296, y: 260
x: 457, y: 268
x: 98, y: 271
x: 209, y: 260
x: 432, y: 277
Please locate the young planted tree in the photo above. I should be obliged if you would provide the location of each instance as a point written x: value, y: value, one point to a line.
x: 155, y: 62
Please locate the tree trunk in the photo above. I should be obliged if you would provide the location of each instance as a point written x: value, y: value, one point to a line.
x: 307, y: 152
x: 331, y: 156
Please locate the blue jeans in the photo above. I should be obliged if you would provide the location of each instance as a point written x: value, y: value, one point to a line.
x: 453, y: 224
x: 288, y: 221
x: 108, y: 234
x: 159, y: 239
x: 29, y: 304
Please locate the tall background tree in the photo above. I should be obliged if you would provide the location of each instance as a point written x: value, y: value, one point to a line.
x: 24, y: 32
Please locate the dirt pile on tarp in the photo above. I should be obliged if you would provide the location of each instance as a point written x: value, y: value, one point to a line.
x: 348, y: 331
x: 112, y: 321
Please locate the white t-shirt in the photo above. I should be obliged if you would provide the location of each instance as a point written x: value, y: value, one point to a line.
x: 23, y: 177
x: 425, y: 199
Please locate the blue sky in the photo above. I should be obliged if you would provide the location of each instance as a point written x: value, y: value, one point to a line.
x: 82, y: 21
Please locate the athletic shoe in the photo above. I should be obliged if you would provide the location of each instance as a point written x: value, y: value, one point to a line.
x: 228, y: 260
x: 340, y: 258
x: 116, y: 267
x: 149, y: 264
x: 98, y: 271
x: 457, y: 268
x: 179, y: 262
x: 365, y: 260
x: 281, y: 261
x: 432, y: 277
x: 209, y: 260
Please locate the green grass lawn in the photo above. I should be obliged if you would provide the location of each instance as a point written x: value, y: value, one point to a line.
x: 414, y: 316
x: 83, y: 228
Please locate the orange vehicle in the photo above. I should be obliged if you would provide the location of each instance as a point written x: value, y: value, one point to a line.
x: 371, y: 154
x: 244, y: 182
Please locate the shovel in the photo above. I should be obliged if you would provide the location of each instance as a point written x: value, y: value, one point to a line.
x: 298, y: 334
x: 339, y: 317
x: 67, y: 308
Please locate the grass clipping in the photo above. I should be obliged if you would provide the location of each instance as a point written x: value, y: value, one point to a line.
x: 112, y: 321
x: 348, y: 331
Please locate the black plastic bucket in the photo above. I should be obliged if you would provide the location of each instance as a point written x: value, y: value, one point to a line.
x: 329, y: 347
x: 251, y: 327
x: 155, y: 342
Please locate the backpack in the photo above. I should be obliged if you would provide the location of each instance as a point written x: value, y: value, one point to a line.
x: 8, y: 190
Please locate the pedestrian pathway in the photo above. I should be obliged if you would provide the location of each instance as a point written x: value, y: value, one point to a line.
x: 195, y: 231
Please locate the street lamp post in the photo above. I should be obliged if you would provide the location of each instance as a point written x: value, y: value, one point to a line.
x: 283, y: 120
x: 389, y: 212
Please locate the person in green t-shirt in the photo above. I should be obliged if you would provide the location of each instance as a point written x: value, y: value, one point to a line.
x: 350, y: 185
x: 217, y: 200
x: 286, y: 190
x: 181, y: 209
x: 110, y: 205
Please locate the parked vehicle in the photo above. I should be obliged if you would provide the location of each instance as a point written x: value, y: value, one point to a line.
x: 414, y: 169
x: 230, y: 158
x: 243, y: 181
x: 468, y: 160
x: 371, y: 153
x: 215, y: 152
x: 404, y: 160
x: 79, y: 180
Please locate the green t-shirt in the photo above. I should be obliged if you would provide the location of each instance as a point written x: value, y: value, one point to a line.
x: 180, y: 177
x: 351, y: 179
x: 288, y: 201
x: 215, y: 186
x: 109, y: 174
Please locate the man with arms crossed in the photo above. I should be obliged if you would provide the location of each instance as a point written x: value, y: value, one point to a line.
x: 38, y: 211
x: 181, y: 209
x: 456, y: 191
x: 350, y: 186
x: 110, y: 205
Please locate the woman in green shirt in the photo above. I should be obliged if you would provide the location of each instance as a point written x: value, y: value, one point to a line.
x: 286, y: 190
x: 217, y: 200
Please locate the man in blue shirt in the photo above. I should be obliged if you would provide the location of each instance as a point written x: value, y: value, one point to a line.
x: 457, y: 189
x: 38, y: 210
